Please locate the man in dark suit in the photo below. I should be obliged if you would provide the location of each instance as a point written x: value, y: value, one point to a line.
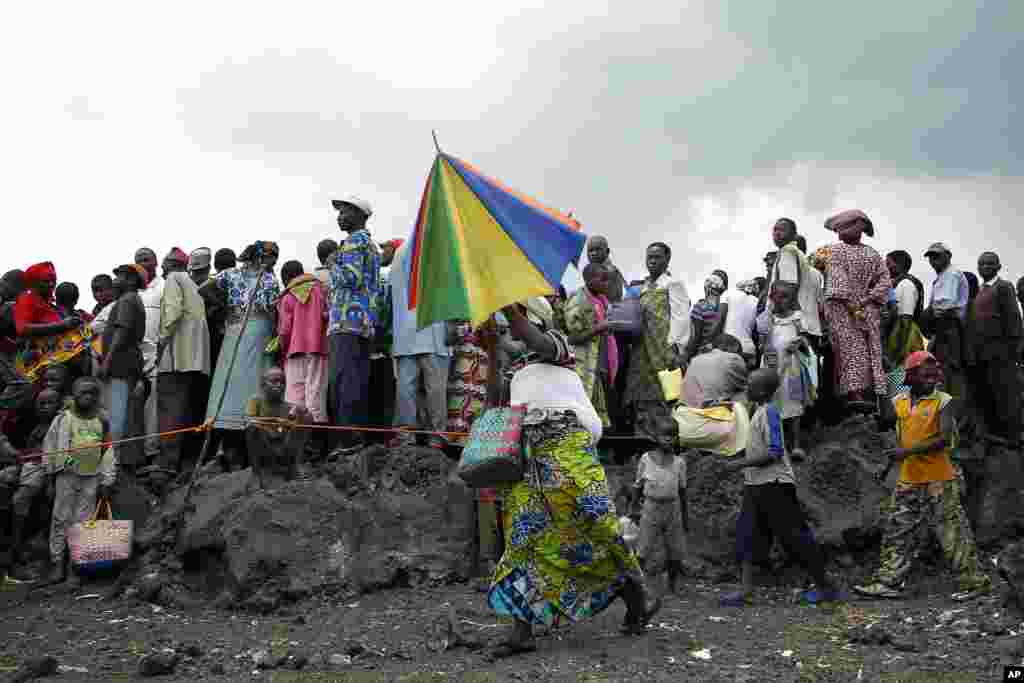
x: 994, y: 334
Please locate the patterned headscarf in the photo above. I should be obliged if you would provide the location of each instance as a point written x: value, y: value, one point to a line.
x: 844, y: 218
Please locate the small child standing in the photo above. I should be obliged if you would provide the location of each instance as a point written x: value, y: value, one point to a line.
x: 33, y: 476
x: 782, y: 329
x: 661, y: 479
x: 82, y: 476
x: 926, y: 499
x: 301, y: 326
x: 770, y: 506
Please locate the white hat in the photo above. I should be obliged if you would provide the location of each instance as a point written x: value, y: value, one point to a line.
x: 357, y: 202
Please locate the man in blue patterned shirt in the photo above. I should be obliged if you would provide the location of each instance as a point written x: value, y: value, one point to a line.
x: 353, y: 304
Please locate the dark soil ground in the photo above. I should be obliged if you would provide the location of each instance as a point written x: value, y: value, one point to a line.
x: 403, y: 634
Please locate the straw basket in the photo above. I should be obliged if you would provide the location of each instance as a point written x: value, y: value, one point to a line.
x: 100, y: 541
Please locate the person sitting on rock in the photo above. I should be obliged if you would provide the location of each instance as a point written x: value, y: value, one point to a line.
x: 770, y: 505
x: 927, y: 496
x: 32, y: 478
x: 82, y: 471
x: 275, y: 444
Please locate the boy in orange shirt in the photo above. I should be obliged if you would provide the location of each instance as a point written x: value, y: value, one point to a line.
x: 927, y: 498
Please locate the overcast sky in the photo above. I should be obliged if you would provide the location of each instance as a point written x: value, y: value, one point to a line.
x: 215, y: 124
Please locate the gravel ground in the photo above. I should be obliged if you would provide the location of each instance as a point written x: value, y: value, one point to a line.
x: 404, y: 634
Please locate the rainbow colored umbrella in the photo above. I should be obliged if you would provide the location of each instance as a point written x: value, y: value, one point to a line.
x: 479, y: 246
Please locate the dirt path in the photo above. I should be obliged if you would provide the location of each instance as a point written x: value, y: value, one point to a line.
x: 399, y: 635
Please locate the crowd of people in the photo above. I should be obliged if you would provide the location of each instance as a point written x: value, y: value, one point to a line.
x: 264, y: 357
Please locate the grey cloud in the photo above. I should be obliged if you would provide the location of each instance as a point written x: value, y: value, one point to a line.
x: 626, y: 118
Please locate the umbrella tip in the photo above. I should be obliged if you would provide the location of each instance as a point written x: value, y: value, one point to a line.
x: 436, y: 146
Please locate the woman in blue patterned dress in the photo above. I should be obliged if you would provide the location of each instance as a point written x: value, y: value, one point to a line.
x: 564, y: 552
x: 237, y: 284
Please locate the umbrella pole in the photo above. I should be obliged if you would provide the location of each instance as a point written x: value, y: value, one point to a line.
x: 216, y: 414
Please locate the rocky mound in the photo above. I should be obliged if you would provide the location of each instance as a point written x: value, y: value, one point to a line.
x: 399, y: 518
x: 376, y: 521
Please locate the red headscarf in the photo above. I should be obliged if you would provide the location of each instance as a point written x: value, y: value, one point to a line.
x: 30, y: 308
x: 39, y: 272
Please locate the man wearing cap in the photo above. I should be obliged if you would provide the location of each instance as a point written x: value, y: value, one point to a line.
x: 151, y: 296
x: 942, y: 320
x: 200, y: 262
x: 355, y: 282
x: 183, y: 361
x: 121, y: 363
x: 993, y: 338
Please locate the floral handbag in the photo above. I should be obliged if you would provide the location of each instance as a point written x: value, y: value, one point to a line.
x: 494, y: 453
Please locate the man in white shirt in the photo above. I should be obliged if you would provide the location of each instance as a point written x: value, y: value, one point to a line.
x: 151, y: 297
x: 942, y: 321
x: 741, y: 319
x: 659, y: 255
x: 909, y: 290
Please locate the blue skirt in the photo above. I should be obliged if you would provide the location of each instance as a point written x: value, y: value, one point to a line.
x: 244, y: 383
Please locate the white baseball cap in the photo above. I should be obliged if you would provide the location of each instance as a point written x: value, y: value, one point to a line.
x: 357, y: 202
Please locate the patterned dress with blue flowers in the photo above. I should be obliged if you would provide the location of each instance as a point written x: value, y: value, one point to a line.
x: 239, y: 380
x: 564, y: 551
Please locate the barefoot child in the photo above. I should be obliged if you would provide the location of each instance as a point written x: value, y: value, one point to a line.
x: 926, y: 499
x: 770, y: 506
x: 80, y: 477
x: 275, y: 447
x: 661, y: 479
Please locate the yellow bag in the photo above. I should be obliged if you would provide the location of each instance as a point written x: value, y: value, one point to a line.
x: 671, y: 384
x: 721, y: 430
